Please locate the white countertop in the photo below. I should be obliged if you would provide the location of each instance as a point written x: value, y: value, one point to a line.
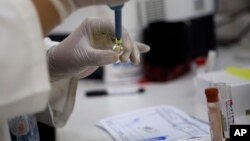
x: 89, y: 110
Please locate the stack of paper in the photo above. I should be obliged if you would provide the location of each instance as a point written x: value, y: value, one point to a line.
x: 162, y: 123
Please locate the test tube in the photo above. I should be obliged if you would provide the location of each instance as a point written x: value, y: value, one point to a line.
x: 226, y: 104
x: 214, y: 114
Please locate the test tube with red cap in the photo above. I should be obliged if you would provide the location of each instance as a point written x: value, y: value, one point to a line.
x: 214, y: 114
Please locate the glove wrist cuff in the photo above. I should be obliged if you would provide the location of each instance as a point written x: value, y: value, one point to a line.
x: 63, y: 7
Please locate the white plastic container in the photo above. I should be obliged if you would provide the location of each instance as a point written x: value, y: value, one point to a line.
x: 240, y: 89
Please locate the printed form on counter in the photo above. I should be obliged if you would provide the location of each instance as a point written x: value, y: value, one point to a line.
x: 161, y: 123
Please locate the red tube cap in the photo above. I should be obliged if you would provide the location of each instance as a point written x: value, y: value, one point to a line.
x: 212, y: 94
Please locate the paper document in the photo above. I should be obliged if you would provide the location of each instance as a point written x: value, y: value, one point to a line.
x: 161, y: 123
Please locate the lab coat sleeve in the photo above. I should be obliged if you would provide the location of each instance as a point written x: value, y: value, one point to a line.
x: 24, y: 80
x: 61, y: 101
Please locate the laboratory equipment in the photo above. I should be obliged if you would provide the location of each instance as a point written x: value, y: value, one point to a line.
x: 118, y: 29
x: 226, y: 104
x: 214, y: 114
x: 173, y: 10
x: 239, y: 88
x: 176, y: 31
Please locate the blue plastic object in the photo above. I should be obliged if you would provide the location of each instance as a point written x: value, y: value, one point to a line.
x: 118, y: 21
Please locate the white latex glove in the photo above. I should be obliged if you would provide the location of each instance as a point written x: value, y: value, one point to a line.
x: 66, y: 7
x: 89, y: 47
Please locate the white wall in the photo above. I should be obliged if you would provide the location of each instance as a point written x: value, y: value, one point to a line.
x: 130, y: 20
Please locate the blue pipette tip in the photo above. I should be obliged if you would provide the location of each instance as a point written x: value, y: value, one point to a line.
x: 118, y: 20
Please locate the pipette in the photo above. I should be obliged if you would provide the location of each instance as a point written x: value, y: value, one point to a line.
x: 118, y: 29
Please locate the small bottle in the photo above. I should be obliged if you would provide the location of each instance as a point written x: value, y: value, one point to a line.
x: 214, y: 114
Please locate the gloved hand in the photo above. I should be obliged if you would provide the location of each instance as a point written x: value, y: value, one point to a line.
x: 65, y: 7
x: 89, y: 47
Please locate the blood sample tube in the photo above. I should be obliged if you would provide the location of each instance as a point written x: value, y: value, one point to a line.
x: 214, y: 114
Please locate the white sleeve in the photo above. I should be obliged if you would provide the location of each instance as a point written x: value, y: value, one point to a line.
x: 24, y: 80
x: 61, y: 102
x: 4, y: 132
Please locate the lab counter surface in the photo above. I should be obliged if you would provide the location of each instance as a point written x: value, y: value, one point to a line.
x: 179, y: 93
